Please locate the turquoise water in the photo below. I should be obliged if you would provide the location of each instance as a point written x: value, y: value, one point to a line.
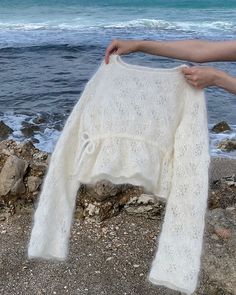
x: 49, y: 49
x: 26, y: 23
x: 124, y: 3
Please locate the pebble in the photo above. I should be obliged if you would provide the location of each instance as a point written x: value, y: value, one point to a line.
x: 230, y: 208
x: 215, y: 237
x: 97, y: 271
x: 222, y: 232
x: 109, y: 258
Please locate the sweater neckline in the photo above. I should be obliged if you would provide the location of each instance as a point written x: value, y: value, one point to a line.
x: 118, y: 60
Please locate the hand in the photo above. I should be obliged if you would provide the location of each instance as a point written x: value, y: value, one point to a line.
x: 201, y: 76
x: 121, y: 47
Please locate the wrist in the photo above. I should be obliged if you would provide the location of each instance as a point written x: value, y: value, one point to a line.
x: 220, y: 79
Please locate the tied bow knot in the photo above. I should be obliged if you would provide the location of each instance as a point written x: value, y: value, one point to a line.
x: 88, y: 143
x: 87, y: 146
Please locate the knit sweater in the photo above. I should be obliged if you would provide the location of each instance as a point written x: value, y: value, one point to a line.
x: 144, y: 126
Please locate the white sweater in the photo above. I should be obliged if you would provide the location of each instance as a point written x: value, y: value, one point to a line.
x: 140, y: 125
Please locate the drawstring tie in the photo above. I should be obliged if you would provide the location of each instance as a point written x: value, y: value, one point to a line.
x: 88, y: 146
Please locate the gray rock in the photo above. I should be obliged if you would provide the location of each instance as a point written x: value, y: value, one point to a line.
x: 33, y: 183
x: 5, y: 130
x: 28, y: 129
x: 18, y: 188
x: 11, y: 176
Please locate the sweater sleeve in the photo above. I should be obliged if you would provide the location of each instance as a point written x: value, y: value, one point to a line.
x: 177, y: 260
x: 55, y: 205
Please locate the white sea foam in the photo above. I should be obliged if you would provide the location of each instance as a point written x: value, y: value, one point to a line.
x: 81, y: 24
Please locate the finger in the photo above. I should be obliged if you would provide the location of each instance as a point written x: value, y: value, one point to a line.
x: 189, y: 77
x: 186, y: 70
x: 109, y: 50
x: 191, y: 83
x: 196, y: 85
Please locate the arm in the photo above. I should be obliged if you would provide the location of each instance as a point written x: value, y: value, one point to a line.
x: 191, y: 50
x: 226, y: 82
x: 202, y: 76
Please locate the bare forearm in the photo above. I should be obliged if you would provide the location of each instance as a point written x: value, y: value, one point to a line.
x: 191, y: 50
x: 225, y: 81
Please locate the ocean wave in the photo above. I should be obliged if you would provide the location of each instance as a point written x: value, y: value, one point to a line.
x: 175, y: 25
x: 136, y: 23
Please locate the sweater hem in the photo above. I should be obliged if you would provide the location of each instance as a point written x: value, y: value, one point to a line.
x: 135, y: 180
x: 169, y: 285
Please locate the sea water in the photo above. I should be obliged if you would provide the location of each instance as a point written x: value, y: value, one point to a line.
x: 49, y: 50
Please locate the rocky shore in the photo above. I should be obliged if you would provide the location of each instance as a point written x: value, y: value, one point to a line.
x: 114, y: 232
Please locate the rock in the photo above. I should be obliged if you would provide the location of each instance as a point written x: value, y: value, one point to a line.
x: 7, y: 152
x: 221, y: 127
x: 41, y: 156
x: 228, y: 180
x: 222, y: 232
x: 2, y: 218
x: 215, y: 237
x: 29, y: 128
x: 103, y: 189
x: 142, y: 199
x: 107, y: 199
x: 18, y: 188
x: 33, y: 183
x: 34, y: 140
x: 5, y: 130
x: 92, y: 210
x: 11, y: 176
x: 144, y: 204
x: 230, y: 209
x: 227, y: 145
x: 223, y: 193
x: 107, y: 210
x: 27, y: 149
x: 38, y: 169
x: 39, y: 119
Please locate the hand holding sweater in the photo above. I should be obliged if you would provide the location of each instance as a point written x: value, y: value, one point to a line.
x: 190, y: 50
